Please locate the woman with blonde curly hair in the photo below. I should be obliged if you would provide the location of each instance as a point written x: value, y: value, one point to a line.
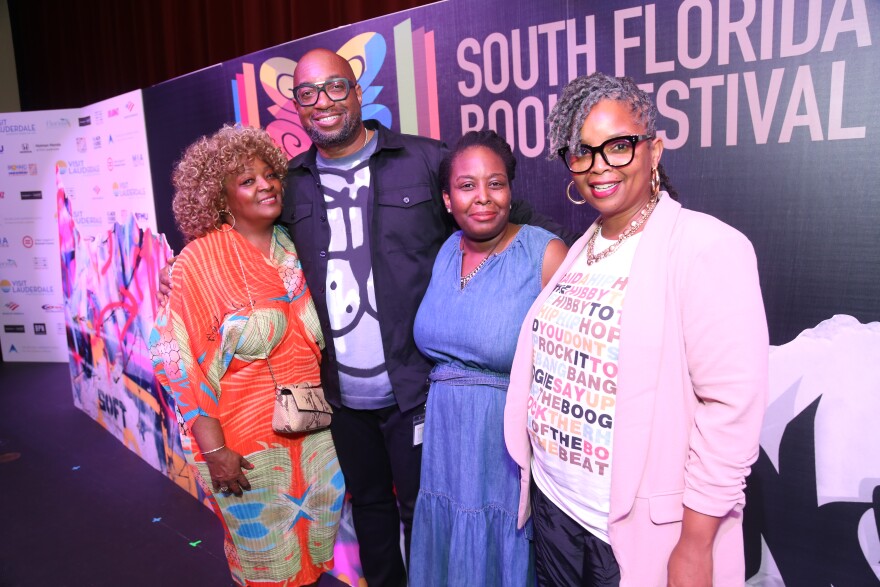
x: 240, y: 322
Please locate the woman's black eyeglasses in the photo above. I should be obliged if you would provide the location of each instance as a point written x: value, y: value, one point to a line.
x: 616, y: 151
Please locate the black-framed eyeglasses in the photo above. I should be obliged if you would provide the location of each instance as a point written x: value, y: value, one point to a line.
x: 616, y: 151
x: 337, y: 89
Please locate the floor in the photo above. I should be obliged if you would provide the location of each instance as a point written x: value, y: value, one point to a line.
x: 78, y: 509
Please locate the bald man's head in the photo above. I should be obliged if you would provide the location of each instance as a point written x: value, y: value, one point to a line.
x: 334, y: 126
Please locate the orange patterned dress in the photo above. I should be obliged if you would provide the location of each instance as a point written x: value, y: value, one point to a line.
x: 209, y: 352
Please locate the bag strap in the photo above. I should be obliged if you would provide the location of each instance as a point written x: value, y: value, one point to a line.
x: 253, y: 306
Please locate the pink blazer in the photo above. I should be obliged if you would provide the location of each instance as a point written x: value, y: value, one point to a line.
x: 691, y: 392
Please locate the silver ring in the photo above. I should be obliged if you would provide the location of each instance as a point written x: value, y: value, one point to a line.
x: 224, y: 489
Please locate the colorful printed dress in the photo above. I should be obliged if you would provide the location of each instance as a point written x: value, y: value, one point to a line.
x: 465, y: 521
x: 209, y: 349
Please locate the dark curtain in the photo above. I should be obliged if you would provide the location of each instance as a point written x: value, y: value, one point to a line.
x: 77, y: 52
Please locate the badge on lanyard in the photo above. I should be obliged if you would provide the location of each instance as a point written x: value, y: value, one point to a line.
x: 418, y: 429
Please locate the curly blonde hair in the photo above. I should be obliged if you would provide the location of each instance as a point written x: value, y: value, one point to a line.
x: 199, y: 176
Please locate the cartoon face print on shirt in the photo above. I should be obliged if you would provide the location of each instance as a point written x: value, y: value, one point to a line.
x: 350, y: 294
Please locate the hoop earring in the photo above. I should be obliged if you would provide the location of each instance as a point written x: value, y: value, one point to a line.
x: 583, y: 200
x: 655, y: 181
x: 222, y: 226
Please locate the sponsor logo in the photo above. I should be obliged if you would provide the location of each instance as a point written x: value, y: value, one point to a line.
x: 81, y: 144
x: 21, y: 286
x: 59, y: 123
x: 39, y: 328
x: 41, y: 263
x: 16, y: 129
x: 4, y: 242
x: 12, y: 306
x: 96, y: 189
x: 16, y: 169
x: 32, y: 195
x: 112, y: 112
x: 2, y: 149
x: 85, y: 121
x: 96, y: 142
x: 114, y: 163
x: 32, y: 168
x: 99, y: 116
x: 81, y: 219
x: 13, y: 328
x: 111, y: 217
x: 12, y: 349
x: 121, y: 137
x: 52, y: 308
x: 137, y: 160
x: 2, y: 195
x: 25, y: 148
x: 142, y: 216
x: 123, y: 190
x: 30, y: 220
x: 42, y: 147
x: 77, y: 167
x: 28, y: 241
x: 129, y: 105
x: 9, y: 264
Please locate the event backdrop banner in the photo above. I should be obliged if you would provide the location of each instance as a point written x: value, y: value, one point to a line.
x: 100, y: 152
x: 769, y: 121
x: 765, y: 114
x: 31, y: 302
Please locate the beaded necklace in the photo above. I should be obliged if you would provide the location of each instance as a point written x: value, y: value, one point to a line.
x: 633, y: 228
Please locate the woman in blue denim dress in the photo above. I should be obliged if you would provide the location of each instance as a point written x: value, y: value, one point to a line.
x: 484, y: 280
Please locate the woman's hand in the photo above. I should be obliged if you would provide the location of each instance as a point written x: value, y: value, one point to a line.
x: 165, y: 281
x: 226, y: 468
x: 224, y: 464
x: 690, y: 564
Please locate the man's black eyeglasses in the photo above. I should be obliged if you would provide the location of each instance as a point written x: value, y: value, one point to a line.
x: 337, y: 89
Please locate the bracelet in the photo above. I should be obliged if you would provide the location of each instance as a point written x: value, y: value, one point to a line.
x: 207, y: 452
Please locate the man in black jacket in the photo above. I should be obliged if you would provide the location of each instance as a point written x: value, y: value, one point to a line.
x: 366, y: 214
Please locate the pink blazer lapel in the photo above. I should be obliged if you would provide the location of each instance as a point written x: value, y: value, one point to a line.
x: 642, y: 329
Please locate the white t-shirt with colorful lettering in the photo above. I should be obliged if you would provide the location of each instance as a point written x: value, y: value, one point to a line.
x: 576, y: 338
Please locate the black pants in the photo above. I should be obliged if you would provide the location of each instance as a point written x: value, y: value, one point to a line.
x: 381, y: 469
x: 566, y: 553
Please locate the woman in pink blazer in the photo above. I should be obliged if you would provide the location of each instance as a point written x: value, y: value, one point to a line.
x: 640, y: 377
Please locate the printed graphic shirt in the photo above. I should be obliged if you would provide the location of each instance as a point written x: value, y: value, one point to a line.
x: 351, y: 297
x: 576, y: 338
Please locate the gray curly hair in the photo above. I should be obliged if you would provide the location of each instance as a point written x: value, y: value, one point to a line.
x: 578, y: 98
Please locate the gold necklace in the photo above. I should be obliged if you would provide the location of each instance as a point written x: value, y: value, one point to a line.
x: 633, y: 228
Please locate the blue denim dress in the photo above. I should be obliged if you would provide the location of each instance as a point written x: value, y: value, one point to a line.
x: 464, y: 531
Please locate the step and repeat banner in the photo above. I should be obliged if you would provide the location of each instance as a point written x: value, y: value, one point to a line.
x: 31, y: 300
x: 770, y: 123
x: 100, y: 153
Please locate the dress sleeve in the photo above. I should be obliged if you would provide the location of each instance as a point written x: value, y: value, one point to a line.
x: 727, y: 348
x: 185, y: 342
